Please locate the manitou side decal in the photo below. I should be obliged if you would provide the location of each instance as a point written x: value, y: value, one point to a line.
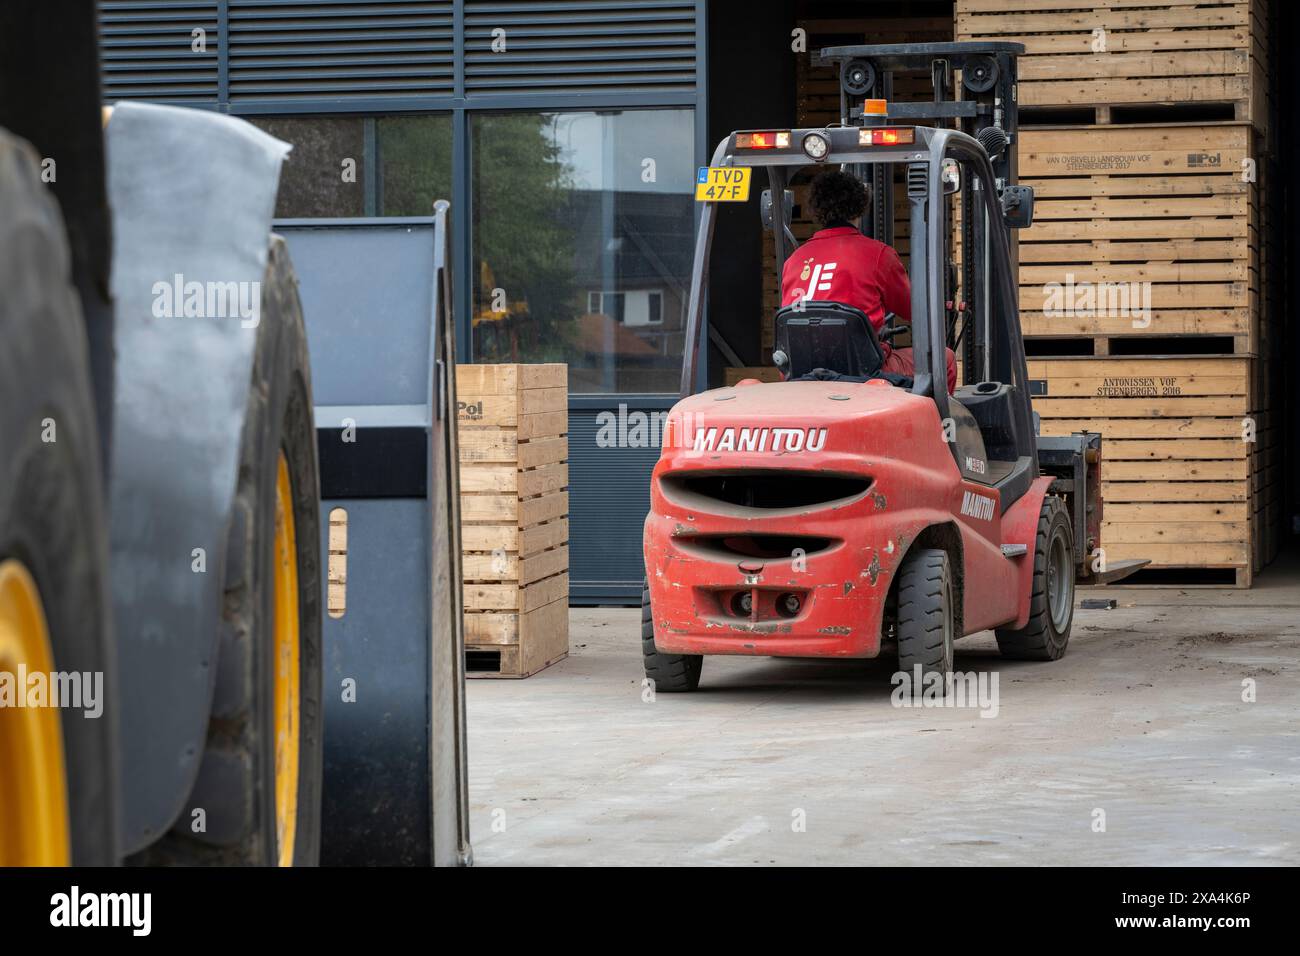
x: 776, y: 440
x: 977, y: 506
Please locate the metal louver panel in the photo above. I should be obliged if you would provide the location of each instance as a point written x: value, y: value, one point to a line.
x: 146, y: 51
x: 609, y: 495
x: 339, y: 49
x: 555, y: 46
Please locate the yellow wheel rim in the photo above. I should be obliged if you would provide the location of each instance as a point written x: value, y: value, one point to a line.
x: 34, y: 829
x: 286, y: 667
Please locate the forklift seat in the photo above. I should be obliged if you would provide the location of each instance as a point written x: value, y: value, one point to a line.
x: 831, y: 336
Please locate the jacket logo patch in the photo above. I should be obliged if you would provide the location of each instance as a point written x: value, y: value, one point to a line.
x: 775, y: 440
x: 821, y: 279
x: 977, y: 506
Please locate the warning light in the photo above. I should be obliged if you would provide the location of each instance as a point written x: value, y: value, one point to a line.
x: 875, y: 107
x: 768, y: 139
x: 887, y: 136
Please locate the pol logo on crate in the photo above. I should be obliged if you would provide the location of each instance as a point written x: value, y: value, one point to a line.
x: 1204, y: 159
x: 471, y: 411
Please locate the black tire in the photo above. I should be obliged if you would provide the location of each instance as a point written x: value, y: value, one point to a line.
x: 52, y: 516
x: 236, y: 781
x: 1051, y: 601
x: 671, y: 673
x: 927, y: 615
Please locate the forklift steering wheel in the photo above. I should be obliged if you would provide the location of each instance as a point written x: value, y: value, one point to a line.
x: 890, y: 328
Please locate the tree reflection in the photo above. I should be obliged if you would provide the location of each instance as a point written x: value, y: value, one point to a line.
x: 525, y: 286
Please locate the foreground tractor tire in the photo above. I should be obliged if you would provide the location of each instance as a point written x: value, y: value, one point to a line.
x: 57, y: 769
x: 671, y: 673
x: 1051, y: 601
x: 259, y: 785
x: 926, y: 615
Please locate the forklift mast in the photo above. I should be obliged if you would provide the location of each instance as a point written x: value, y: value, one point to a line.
x: 984, y: 74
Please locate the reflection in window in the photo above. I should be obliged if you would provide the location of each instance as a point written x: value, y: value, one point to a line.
x: 349, y: 166
x: 414, y: 155
x: 312, y: 180
x: 583, y: 227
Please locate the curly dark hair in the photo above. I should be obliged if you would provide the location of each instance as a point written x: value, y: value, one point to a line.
x: 838, y: 197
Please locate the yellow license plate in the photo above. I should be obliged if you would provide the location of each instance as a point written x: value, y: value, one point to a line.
x: 722, y: 184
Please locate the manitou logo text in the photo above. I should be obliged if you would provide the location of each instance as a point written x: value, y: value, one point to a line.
x: 775, y: 440
x: 977, y: 506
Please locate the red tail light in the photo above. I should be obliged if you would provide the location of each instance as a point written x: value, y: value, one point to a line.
x: 886, y: 136
x: 768, y: 139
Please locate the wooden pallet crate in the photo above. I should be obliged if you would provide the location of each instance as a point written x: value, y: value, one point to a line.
x: 1109, y: 58
x: 1178, y: 462
x: 514, y: 476
x: 1116, y: 207
x: 516, y: 631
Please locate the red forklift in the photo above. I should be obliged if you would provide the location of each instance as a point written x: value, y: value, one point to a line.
x: 844, y: 508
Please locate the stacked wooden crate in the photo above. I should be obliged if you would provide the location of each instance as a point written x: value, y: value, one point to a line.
x: 1130, y: 55
x: 1161, y: 222
x: 1179, y: 452
x: 514, y: 476
x: 1127, y: 205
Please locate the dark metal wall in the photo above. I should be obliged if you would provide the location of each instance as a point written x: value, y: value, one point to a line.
x: 743, y: 96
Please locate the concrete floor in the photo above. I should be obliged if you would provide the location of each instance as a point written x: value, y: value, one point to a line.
x: 799, y: 762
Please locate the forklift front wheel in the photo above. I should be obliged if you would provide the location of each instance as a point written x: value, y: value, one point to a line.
x: 1051, y: 599
x: 670, y: 673
x: 926, y: 617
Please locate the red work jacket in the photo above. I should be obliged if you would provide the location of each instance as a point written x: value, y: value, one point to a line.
x: 842, y: 265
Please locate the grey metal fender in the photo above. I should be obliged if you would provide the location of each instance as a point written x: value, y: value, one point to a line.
x: 192, y: 194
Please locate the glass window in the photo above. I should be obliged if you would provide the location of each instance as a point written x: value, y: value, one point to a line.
x: 414, y: 159
x: 313, y: 180
x: 583, y: 226
x: 331, y: 173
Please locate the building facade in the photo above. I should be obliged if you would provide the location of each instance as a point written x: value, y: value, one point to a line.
x: 565, y: 134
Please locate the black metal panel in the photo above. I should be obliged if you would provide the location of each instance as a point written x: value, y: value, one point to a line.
x: 358, y: 48
x: 558, y: 46
x: 147, y: 51
x: 376, y: 804
x: 609, y: 489
x: 379, y: 463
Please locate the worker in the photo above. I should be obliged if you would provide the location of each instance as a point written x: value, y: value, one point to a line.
x: 839, y: 264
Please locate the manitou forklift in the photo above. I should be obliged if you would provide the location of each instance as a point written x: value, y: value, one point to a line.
x: 823, y: 514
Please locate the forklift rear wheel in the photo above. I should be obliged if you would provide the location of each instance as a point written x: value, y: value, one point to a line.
x: 260, y: 781
x: 57, y: 773
x: 926, y: 616
x: 671, y: 673
x: 1051, y: 601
